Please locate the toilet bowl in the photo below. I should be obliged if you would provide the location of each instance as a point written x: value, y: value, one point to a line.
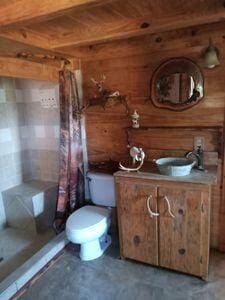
x: 88, y: 226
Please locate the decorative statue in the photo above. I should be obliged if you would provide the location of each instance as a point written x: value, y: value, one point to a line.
x: 135, y: 120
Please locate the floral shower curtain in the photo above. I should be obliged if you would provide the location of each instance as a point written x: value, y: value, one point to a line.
x: 71, y: 180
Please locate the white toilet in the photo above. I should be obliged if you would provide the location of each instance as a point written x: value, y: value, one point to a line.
x: 88, y: 226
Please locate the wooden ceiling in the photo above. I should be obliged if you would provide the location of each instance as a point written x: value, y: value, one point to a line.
x: 49, y: 30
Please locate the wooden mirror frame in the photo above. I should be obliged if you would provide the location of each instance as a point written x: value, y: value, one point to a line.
x: 176, y: 65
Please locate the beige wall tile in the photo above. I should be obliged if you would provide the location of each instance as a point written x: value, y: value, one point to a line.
x: 29, y: 135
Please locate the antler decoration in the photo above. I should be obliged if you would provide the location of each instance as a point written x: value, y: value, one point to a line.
x: 103, y: 95
x: 99, y: 84
x: 137, y: 154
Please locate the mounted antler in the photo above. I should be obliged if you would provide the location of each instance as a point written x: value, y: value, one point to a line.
x: 103, y: 95
x: 99, y: 84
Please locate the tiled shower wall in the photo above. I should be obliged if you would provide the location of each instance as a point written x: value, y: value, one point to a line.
x: 14, y: 167
x: 29, y: 132
x: 43, y: 145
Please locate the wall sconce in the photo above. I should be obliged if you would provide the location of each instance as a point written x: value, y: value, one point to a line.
x: 210, y: 55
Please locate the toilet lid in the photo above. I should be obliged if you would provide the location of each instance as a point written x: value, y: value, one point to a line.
x: 86, y: 217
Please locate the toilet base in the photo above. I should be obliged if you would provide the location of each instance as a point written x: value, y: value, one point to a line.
x: 94, y: 249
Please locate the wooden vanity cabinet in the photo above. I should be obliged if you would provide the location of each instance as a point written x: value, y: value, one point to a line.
x: 164, y: 223
x: 138, y: 232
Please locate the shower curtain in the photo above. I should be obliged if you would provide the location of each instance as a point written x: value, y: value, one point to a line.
x: 71, y: 180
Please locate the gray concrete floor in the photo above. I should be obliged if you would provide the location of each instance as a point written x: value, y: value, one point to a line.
x: 109, y: 278
x: 17, y: 246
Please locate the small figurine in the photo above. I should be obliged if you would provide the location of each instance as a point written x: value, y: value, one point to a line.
x: 135, y: 119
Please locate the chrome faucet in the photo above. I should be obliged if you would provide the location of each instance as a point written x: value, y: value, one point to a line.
x: 199, y: 155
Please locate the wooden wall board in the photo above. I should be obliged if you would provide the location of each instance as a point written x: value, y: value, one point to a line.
x: 128, y: 68
x: 13, y: 67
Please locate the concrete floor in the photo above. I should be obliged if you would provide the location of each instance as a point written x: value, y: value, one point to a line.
x: 16, y: 246
x: 109, y: 278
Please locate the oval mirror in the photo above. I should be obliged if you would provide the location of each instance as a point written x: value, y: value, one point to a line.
x: 177, y: 84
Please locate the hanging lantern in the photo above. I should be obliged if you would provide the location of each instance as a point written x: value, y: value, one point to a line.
x: 210, y: 56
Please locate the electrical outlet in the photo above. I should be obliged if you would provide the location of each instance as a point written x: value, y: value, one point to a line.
x: 199, y: 141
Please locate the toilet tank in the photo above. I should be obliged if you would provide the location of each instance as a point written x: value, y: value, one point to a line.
x: 102, y: 189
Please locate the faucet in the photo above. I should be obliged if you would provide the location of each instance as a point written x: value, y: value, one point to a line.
x: 199, y: 155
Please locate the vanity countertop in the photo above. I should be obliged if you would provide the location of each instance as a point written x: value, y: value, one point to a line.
x: 149, y: 171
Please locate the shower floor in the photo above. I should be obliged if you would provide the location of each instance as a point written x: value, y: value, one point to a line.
x: 17, y: 245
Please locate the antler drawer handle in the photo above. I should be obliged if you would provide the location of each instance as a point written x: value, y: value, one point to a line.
x: 152, y: 214
x: 169, y: 207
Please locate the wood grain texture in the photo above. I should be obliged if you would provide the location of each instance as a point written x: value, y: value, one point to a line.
x: 150, y: 172
x: 14, y: 49
x: 221, y: 221
x: 159, y: 29
x: 137, y: 230
x: 176, y: 138
x: 128, y: 67
x: 18, y: 12
x: 27, y: 37
x: 194, y: 37
x: 90, y: 21
x: 66, y: 25
x: 131, y: 27
x: 13, y: 67
x: 184, y: 240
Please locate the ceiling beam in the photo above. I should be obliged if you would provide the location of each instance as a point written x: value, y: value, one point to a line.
x: 195, y: 37
x: 14, y: 49
x: 19, y: 12
x: 13, y: 67
x: 30, y: 39
x: 134, y: 27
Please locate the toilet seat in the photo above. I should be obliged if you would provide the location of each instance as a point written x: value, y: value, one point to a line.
x: 87, y: 222
x: 86, y: 218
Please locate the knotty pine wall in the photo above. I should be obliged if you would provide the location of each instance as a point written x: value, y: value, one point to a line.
x: 128, y: 66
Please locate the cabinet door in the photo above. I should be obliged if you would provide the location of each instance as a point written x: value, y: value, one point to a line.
x: 184, y: 239
x: 137, y: 229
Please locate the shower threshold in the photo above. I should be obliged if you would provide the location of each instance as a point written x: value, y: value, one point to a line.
x: 17, y: 246
x: 17, y: 279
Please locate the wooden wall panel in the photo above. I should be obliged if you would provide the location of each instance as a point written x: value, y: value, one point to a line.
x: 216, y: 195
x: 180, y: 138
x: 130, y: 72
x: 13, y: 67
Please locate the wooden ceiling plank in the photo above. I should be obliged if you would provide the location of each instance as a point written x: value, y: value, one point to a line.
x: 133, y: 27
x: 18, y: 12
x: 194, y: 37
x: 26, y: 36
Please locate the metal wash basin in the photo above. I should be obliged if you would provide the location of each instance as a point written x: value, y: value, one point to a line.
x: 174, y: 166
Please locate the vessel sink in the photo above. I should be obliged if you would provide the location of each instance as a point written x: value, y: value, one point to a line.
x: 174, y: 166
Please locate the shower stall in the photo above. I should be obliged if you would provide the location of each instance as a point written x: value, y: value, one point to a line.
x: 29, y: 167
